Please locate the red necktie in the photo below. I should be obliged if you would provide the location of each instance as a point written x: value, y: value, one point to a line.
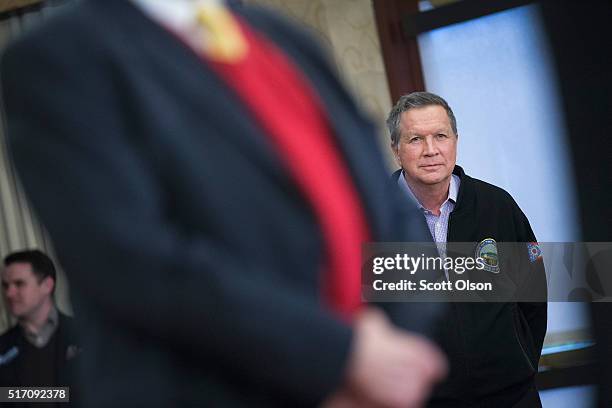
x: 287, y: 109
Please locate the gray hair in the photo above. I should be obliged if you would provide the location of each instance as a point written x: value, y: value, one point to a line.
x: 412, y: 101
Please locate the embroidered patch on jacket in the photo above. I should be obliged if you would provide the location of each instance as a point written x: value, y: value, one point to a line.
x: 535, y: 253
x: 487, y: 250
x: 9, y: 355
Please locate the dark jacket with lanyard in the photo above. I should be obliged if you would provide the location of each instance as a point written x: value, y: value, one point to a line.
x: 24, y: 365
x: 493, y: 347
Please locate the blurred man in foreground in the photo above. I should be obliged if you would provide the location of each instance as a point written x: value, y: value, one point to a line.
x: 208, y: 172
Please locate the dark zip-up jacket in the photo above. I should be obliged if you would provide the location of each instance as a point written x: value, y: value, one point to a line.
x: 493, y: 348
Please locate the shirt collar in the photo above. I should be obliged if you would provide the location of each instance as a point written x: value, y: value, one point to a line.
x: 178, y: 15
x: 453, y: 190
x: 42, y: 337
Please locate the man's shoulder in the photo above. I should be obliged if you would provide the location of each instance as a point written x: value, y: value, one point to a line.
x: 8, y: 338
x: 488, y: 191
x: 295, y: 39
x: 67, y: 328
x: 65, y: 319
x: 267, y: 15
x: 79, y: 29
x: 486, y: 188
x: 65, y: 322
x: 55, y: 29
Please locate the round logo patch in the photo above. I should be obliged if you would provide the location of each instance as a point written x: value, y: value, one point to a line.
x: 487, y: 250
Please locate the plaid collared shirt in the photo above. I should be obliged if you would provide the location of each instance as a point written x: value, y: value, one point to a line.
x: 438, y: 224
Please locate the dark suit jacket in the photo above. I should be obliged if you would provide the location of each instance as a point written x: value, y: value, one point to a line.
x: 193, y: 257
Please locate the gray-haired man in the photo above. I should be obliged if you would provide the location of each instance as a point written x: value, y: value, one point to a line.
x: 493, y: 348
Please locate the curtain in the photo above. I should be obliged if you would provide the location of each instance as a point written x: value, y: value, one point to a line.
x: 19, y: 227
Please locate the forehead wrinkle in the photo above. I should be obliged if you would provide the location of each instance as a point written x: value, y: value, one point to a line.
x: 428, y: 116
x: 425, y: 127
x: 419, y: 131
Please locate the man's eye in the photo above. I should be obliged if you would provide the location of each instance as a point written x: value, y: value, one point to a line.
x: 414, y: 139
x: 441, y: 136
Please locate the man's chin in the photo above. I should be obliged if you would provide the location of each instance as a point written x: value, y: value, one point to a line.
x: 15, y: 312
x: 432, y: 180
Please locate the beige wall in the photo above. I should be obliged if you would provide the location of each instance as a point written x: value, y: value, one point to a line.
x: 348, y: 30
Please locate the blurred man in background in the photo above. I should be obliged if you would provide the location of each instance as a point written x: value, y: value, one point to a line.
x: 40, y: 348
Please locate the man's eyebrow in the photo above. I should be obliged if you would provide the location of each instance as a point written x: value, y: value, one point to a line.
x: 436, y: 132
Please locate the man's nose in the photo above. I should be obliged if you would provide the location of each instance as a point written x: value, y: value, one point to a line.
x: 9, y: 292
x: 430, y: 147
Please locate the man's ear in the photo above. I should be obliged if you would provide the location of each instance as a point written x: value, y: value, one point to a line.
x: 395, y: 150
x: 49, y: 284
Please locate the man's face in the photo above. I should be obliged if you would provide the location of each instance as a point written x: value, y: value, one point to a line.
x: 22, y: 291
x: 427, y: 147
